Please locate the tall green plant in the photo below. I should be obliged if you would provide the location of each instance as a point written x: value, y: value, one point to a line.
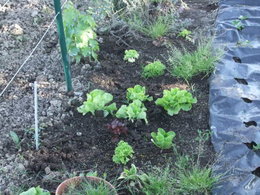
x: 80, y: 34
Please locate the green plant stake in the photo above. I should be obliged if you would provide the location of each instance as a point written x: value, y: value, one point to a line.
x: 63, y: 46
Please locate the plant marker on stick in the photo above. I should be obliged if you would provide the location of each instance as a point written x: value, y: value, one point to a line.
x: 36, y: 135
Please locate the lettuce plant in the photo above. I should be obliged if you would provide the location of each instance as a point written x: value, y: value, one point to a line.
x: 135, y: 110
x: 137, y: 93
x: 98, y: 100
x: 35, y: 191
x: 80, y: 33
x: 163, y: 139
x: 131, y: 55
x: 175, y: 100
x: 117, y: 128
x: 186, y: 34
x: 123, y: 153
x: 154, y: 69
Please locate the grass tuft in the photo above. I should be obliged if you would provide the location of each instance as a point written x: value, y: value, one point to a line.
x: 186, y: 64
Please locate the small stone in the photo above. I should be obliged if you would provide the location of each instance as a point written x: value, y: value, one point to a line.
x: 47, y: 170
x: 85, y: 68
x: 20, y: 167
x: 15, y: 29
x: 34, y: 13
x: 79, y: 134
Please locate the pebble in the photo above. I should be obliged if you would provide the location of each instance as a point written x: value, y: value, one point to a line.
x: 16, y: 29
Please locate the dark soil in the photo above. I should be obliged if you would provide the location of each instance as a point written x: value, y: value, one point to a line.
x: 83, y: 143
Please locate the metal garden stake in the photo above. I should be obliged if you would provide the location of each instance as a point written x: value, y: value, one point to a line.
x: 63, y: 46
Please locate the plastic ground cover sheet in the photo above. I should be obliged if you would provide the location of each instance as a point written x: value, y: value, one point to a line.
x: 235, y: 98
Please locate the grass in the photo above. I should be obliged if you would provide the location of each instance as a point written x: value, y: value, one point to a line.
x: 90, y: 188
x: 194, y: 180
x: 153, y: 29
x: 186, y: 64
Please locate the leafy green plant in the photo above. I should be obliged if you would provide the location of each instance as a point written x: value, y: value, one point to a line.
x: 36, y: 191
x: 154, y: 69
x: 98, y: 100
x: 131, y: 55
x: 132, y: 179
x: 189, y: 64
x: 241, y: 17
x: 15, y: 139
x: 238, y: 24
x: 138, y: 92
x: 163, y: 139
x: 123, y: 153
x: 80, y: 33
x: 135, y: 110
x: 256, y: 146
x: 186, y: 34
x: 175, y: 100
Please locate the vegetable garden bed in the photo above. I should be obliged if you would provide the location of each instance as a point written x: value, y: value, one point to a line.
x: 80, y: 144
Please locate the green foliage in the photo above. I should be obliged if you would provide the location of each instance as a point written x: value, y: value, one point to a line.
x: 158, y: 181
x: 154, y: 29
x: 80, y: 33
x: 131, y: 55
x: 132, y: 179
x: 196, y: 180
x: 154, y: 69
x: 36, y: 191
x: 189, y: 64
x: 163, y: 139
x: 98, y: 100
x: 135, y: 110
x: 186, y: 34
x: 175, y: 100
x: 138, y: 92
x: 15, y: 139
x: 256, y: 147
x: 238, y: 25
x: 123, y: 153
x: 90, y: 188
x: 241, y: 17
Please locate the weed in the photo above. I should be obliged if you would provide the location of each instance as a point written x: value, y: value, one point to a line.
x: 15, y: 139
x: 256, y: 146
x: 154, y: 69
x: 91, y: 188
x: 238, y: 25
x: 158, y: 181
x: 186, y: 34
x: 194, y: 180
x: 186, y: 64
